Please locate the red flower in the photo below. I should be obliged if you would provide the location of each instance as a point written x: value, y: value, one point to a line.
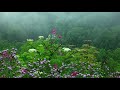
x: 55, y: 66
x: 74, y: 73
x: 59, y: 36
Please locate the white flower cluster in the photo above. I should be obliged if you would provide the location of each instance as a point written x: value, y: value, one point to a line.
x: 41, y: 37
x: 66, y: 49
x: 16, y: 56
x: 41, y: 45
x: 37, y: 72
x: 29, y: 40
x: 32, y: 50
x: 48, y: 38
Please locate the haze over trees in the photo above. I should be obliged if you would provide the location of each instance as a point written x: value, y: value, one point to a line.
x: 91, y: 37
x: 100, y: 27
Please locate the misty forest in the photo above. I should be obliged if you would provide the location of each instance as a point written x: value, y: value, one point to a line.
x: 59, y: 44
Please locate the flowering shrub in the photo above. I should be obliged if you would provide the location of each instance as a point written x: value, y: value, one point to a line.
x: 10, y: 65
x: 47, y: 58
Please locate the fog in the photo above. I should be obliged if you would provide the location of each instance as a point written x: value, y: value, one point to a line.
x: 43, y: 18
x: 32, y: 24
x: 59, y: 45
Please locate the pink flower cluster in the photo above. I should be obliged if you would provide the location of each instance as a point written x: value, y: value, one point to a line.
x: 6, y: 54
x: 54, y: 31
x: 23, y: 71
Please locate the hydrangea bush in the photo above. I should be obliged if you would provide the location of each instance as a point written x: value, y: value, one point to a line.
x: 47, y: 58
x: 9, y: 64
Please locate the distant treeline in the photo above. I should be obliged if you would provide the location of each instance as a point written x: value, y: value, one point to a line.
x: 103, y: 33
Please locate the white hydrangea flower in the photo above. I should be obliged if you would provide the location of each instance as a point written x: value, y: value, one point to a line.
x: 47, y: 39
x: 16, y: 56
x: 41, y: 37
x: 30, y: 40
x: 41, y: 45
x: 32, y: 50
x: 66, y: 49
x: 41, y: 72
x: 38, y: 72
x: 49, y: 36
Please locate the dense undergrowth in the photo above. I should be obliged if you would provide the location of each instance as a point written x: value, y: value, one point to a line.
x: 48, y: 58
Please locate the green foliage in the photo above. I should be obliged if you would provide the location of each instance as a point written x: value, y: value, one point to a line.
x: 43, y: 54
x: 82, y: 59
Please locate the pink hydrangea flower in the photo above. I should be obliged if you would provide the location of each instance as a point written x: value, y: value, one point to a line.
x: 54, y: 31
x: 23, y: 70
